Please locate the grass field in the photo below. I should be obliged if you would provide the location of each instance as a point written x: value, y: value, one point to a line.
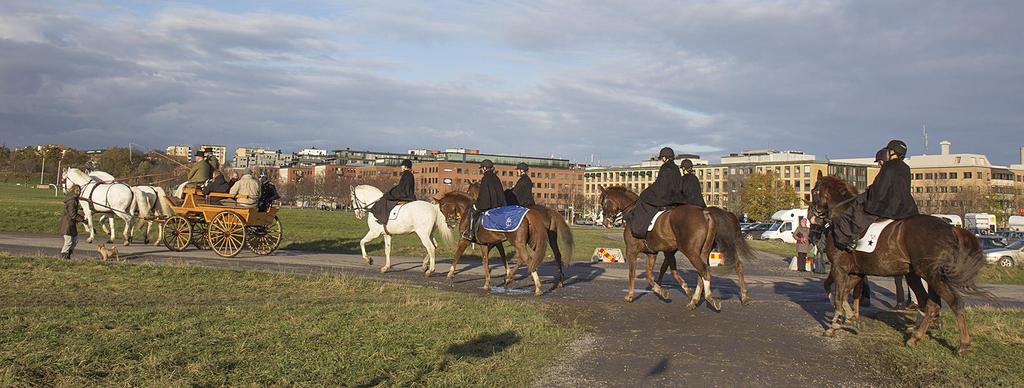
x: 86, y: 323
x: 780, y: 248
x: 994, y: 359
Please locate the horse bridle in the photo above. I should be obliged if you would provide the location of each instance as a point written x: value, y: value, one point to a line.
x: 610, y: 219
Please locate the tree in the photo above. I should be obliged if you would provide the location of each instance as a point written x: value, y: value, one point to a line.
x: 764, y: 194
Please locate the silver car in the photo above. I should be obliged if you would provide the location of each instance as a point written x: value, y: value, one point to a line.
x: 1009, y: 256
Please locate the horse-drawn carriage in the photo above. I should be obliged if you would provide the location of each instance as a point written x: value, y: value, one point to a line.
x: 206, y: 222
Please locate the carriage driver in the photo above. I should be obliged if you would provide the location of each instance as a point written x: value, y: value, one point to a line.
x: 404, y: 191
x: 888, y: 197
x: 491, y: 196
x: 200, y: 172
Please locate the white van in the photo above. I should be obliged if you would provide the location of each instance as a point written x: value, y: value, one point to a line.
x: 980, y: 222
x: 1016, y: 223
x: 952, y: 219
x: 786, y: 222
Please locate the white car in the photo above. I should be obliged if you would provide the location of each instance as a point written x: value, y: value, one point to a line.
x: 1009, y: 256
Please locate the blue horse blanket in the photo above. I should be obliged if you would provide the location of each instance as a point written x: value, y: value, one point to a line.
x: 503, y: 219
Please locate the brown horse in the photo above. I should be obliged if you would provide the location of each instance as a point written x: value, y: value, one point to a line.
x: 560, y: 237
x: 687, y: 229
x: 922, y: 246
x: 456, y: 207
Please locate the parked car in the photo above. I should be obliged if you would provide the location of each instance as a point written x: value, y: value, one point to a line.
x: 1007, y: 256
x: 755, y: 231
x: 1010, y: 235
x: 583, y: 221
x: 991, y: 242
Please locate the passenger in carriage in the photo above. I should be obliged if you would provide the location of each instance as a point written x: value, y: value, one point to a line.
x: 522, y: 192
x: 268, y: 193
x: 491, y: 196
x: 888, y: 197
x: 665, y: 192
x: 404, y: 191
x: 248, y: 188
x: 692, y: 194
x: 217, y: 184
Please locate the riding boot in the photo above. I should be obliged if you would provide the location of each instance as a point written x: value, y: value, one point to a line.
x: 470, y: 232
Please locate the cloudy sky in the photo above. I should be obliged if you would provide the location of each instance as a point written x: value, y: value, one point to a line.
x: 612, y: 79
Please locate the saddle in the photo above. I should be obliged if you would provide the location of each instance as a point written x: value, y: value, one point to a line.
x: 869, y: 240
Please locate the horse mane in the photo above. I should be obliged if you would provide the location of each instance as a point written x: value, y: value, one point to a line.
x: 621, y: 190
x: 458, y: 195
x: 835, y: 184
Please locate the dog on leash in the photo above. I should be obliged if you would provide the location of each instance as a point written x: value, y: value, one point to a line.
x: 107, y: 253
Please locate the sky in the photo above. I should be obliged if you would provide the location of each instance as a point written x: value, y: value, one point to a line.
x: 608, y: 80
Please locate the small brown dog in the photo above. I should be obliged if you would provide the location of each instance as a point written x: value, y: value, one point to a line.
x: 107, y: 253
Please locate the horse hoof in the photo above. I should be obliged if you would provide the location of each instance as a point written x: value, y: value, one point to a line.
x: 716, y: 304
x: 964, y: 349
x: 428, y: 273
x: 560, y: 285
x: 691, y: 306
x: 629, y: 298
x: 368, y: 260
x: 538, y: 292
x: 744, y: 300
x: 829, y: 333
x: 662, y: 293
x: 912, y: 342
x: 384, y: 269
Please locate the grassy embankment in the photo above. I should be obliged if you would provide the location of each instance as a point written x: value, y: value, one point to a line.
x: 996, y: 357
x: 83, y: 323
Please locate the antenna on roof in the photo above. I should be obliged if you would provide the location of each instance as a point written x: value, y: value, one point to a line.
x: 924, y: 130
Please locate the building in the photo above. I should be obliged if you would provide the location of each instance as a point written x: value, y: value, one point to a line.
x: 288, y: 175
x: 180, y: 151
x: 260, y: 157
x: 219, y: 151
x: 724, y: 182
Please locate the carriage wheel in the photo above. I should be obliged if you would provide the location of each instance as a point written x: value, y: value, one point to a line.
x: 226, y: 233
x: 264, y: 239
x: 177, y: 233
x: 199, y: 240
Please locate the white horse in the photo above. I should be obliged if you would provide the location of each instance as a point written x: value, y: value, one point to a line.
x: 99, y: 198
x: 420, y: 217
x: 150, y: 203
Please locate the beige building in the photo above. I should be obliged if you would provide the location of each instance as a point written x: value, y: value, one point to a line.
x: 723, y: 182
x: 182, y: 151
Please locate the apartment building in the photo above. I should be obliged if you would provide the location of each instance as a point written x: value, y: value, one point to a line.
x: 219, y: 151
x: 180, y: 151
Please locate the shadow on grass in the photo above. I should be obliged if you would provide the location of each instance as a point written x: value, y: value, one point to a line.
x: 350, y: 247
x: 485, y: 345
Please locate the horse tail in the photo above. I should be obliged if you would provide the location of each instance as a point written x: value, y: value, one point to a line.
x: 566, y: 243
x: 441, y: 225
x: 730, y: 241
x: 538, y: 233
x: 959, y: 267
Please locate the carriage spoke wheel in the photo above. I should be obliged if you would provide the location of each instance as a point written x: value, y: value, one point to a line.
x: 226, y: 233
x: 199, y: 239
x: 177, y: 233
x: 264, y: 239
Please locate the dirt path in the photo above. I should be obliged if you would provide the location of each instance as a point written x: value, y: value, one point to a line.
x: 776, y: 340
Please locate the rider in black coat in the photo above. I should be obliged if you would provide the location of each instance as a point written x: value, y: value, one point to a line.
x: 888, y: 196
x: 491, y: 196
x: 691, y: 186
x: 404, y: 191
x: 522, y: 192
x: 666, y: 191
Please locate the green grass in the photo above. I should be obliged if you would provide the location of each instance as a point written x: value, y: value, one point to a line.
x: 27, y: 209
x: 999, y: 275
x: 996, y: 357
x: 775, y: 247
x: 86, y: 323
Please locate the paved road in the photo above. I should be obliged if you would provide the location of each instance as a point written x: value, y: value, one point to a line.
x: 776, y: 340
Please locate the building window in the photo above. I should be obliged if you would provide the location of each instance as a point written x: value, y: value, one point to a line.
x: 967, y: 175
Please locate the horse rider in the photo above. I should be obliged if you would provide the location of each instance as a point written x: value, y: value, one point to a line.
x: 665, y: 192
x: 248, y: 188
x: 268, y: 193
x: 404, y: 191
x: 522, y: 192
x: 888, y: 197
x: 491, y: 196
x: 69, y: 221
x: 691, y: 186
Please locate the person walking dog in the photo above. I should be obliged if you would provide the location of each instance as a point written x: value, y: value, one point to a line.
x: 70, y: 220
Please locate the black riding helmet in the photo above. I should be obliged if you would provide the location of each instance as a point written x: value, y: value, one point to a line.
x: 522, y: 166
x: 882, y: 155
x: 486, y: 163
x: 406, y: 163
x: 897, y: 146
x: 667, y: 152
x: 686, y: 164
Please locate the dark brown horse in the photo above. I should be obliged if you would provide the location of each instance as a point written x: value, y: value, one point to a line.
x: 687, y: 229
x: 456, y: 207
x: 922, y: 246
